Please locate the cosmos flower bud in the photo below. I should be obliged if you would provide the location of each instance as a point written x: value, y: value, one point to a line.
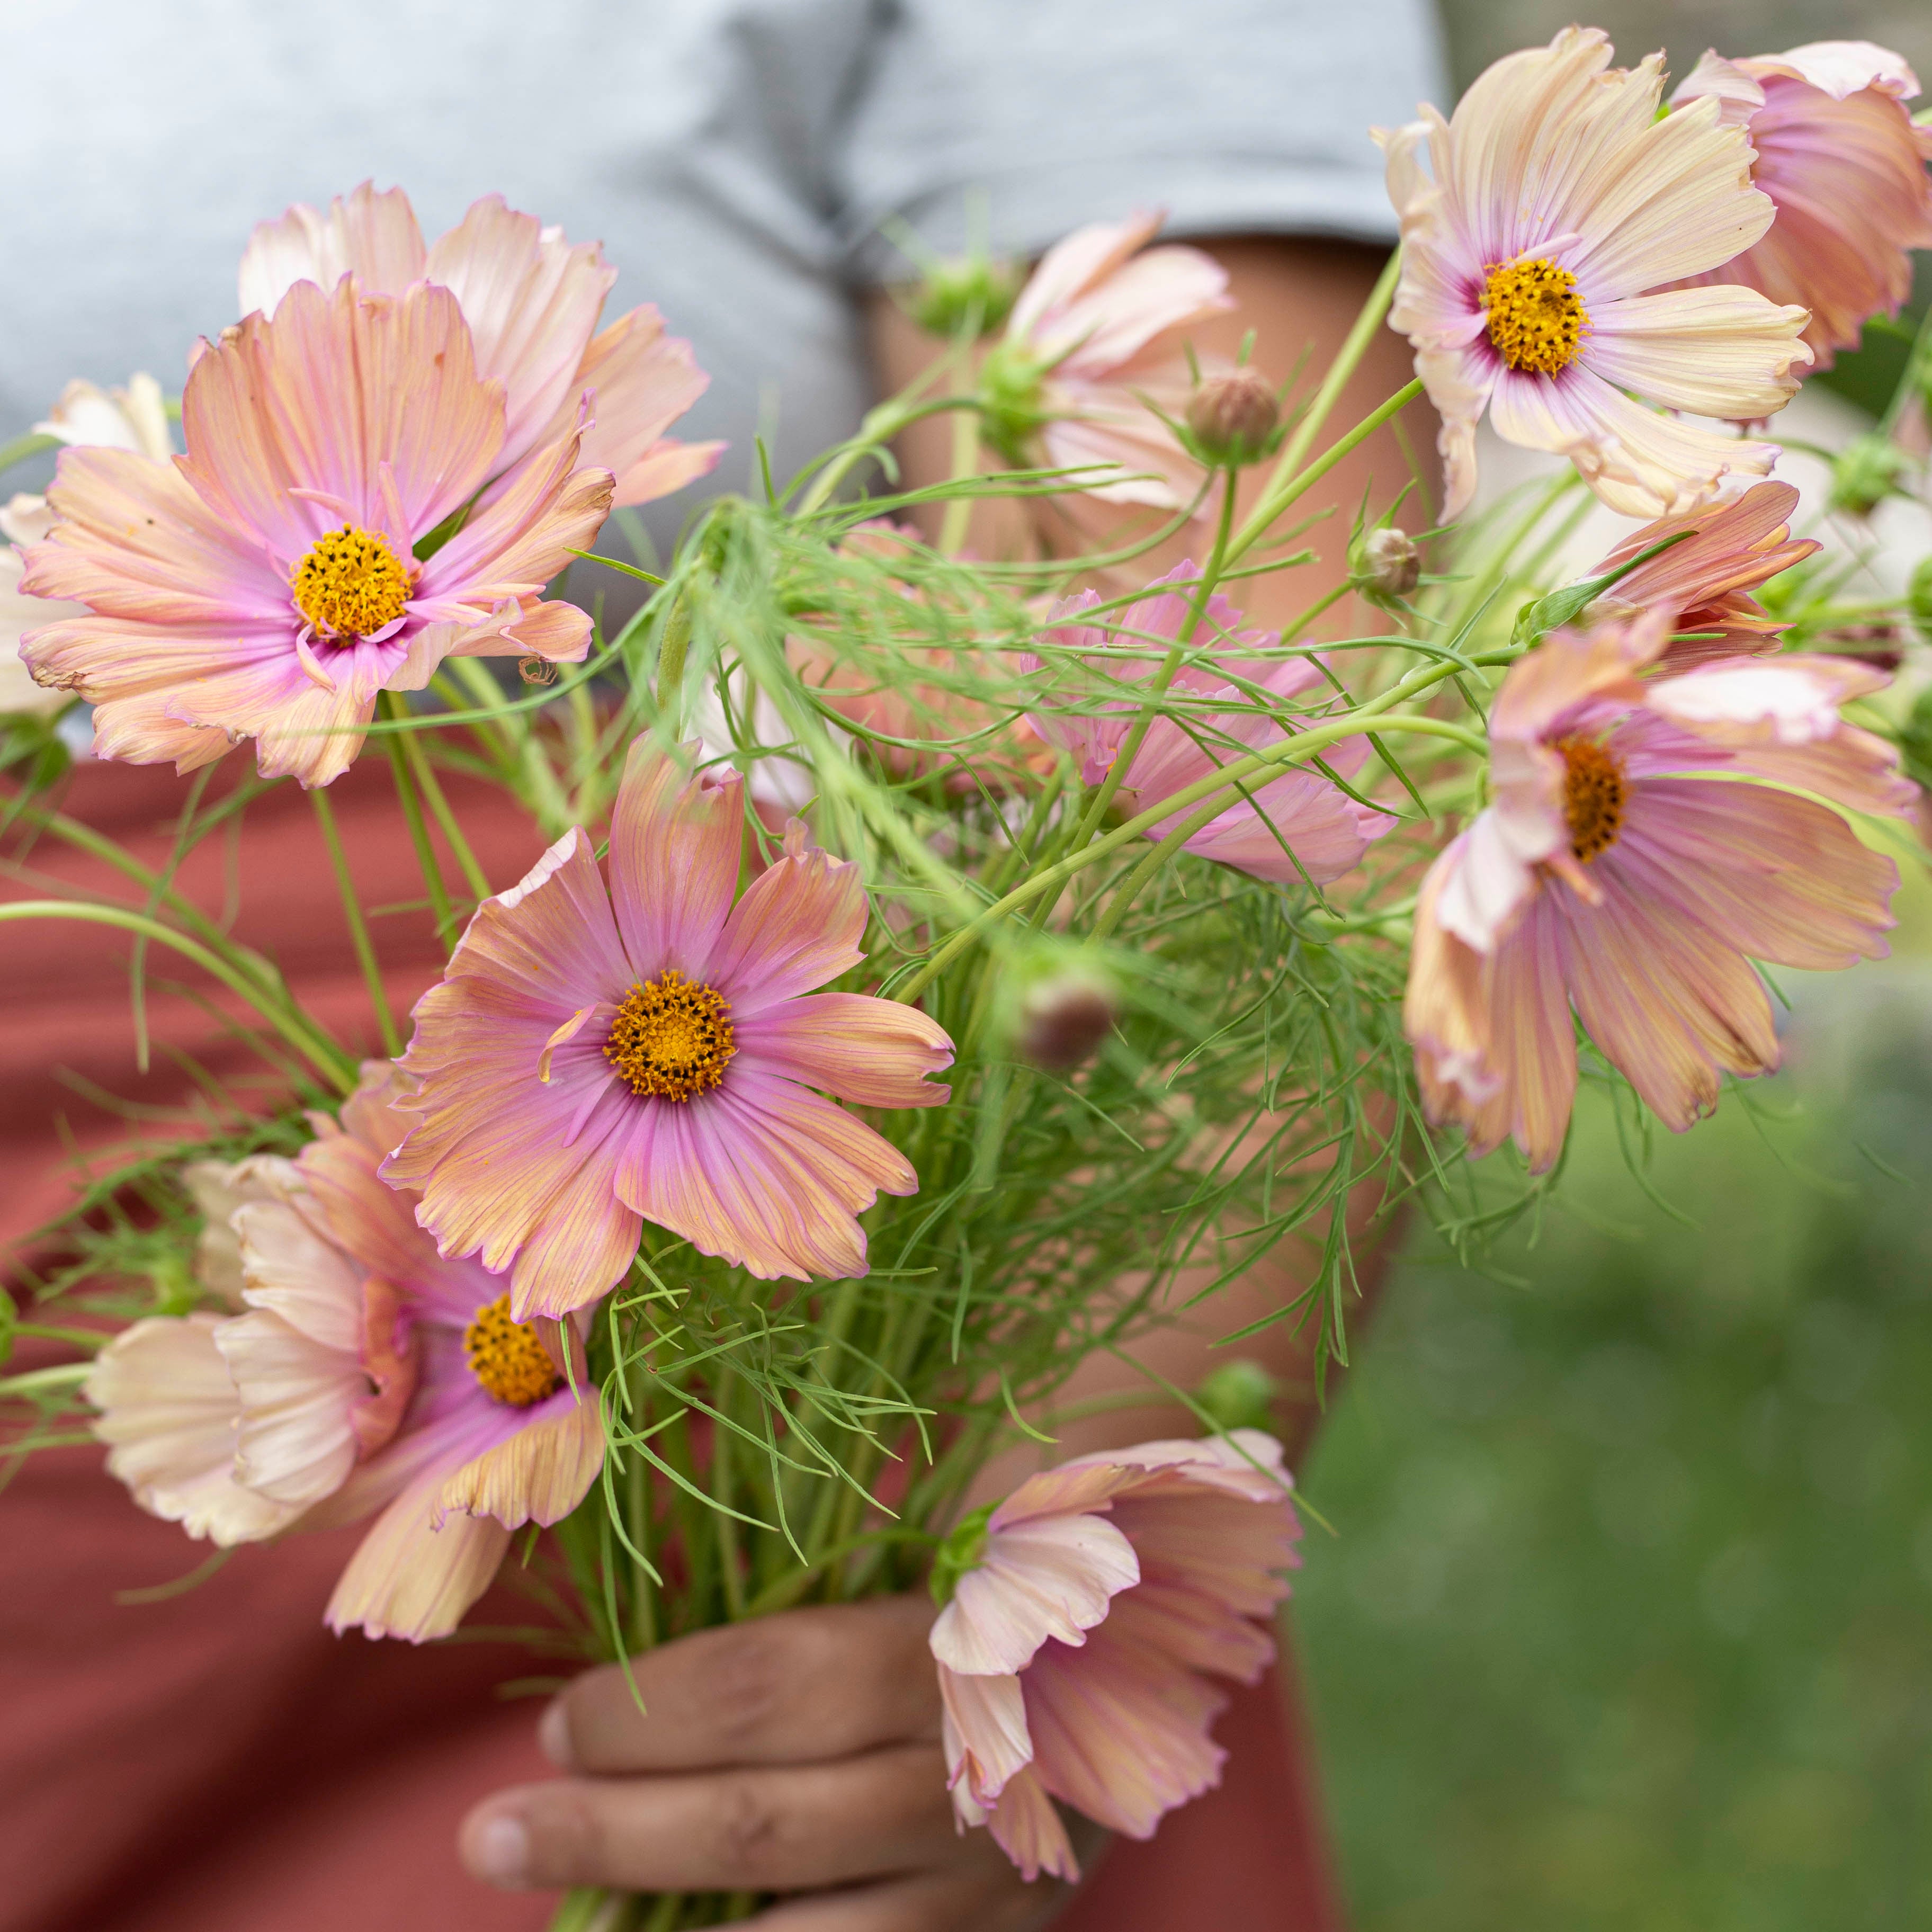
x: 1064, y: 1016
x: 1238, y: 1394
x: 1385, y: 565
x: 1233, y: 417
x: 1867, y: 471
x: 973, y: 292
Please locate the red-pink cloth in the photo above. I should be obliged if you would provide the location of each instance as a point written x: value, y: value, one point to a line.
x: 218, y: 1762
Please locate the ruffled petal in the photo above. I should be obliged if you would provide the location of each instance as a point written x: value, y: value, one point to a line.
x: 532, y: 301
x: 675, y: 843
x: 170, y: 1414
x: 373, y: 237
x: 539, y: 1474
x: 987, y: 1743
x: 876, y: 1053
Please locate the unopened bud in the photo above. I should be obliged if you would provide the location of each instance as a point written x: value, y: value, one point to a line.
x: 1918, y: 599
x: 1238, y: 1394
x: 1233, y: 417
x: 970, y: 293
x: 1867, y: 472
x: 1386, y: 566
x: 1064, y: 1017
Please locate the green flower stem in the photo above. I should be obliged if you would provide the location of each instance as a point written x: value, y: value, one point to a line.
x: 410, y: 800
x: 1277, y: 497
x: 335, y: 1066
x: 1354, y: 346
x: 358, y: 928
x: 83, y: 838
x: 1224, y: 783
x: 426, y: 782
x: 22, y: 447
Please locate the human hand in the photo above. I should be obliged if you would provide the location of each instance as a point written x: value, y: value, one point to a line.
x: 797, y: 1753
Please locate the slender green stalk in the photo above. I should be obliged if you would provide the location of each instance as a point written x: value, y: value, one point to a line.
x: 410, y: 799
x: 322, y: 1053
x: 1275, y: 499
x: 358, y: 929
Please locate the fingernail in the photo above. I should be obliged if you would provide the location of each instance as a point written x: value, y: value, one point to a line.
x: 554, y: 1736
x: 499, y: 1850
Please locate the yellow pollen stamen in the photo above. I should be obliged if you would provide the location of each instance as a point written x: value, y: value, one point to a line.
x: 350, y: 584
x: 507, y: 1358
x: 1537, y: 321
x: 671, y: 1038
x: 1593, y: 797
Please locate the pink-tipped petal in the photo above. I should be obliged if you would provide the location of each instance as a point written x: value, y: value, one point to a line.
x: 372, y: 236
x: 675, y: 842
x: 876, y: 1053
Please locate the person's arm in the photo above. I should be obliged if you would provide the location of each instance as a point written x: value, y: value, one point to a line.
x: 800, y: 1752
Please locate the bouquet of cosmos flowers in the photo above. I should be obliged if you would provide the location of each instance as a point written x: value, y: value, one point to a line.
x: 934, y: 959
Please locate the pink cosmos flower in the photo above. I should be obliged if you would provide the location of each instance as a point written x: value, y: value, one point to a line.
x: 365, y: 1374
x: 1839, y: 154
x: 1538, y: 267
x: 1640, y: 852
x: 1077, y: 1655
x: 1098, y: 326
x: 268, y: 583
x: 1295, y: 826
x: 1704, y: 578
x: 532, y: 301
x: 595, y: 1057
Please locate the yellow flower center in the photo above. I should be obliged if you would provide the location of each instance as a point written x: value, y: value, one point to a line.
x: 507, y: 1358
x: 1537, y: 319
x: 1593, y: 797
x: 671, y: 1038
x: 350, y: 584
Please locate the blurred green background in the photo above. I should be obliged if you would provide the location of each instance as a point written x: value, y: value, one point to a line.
x: 1627, y: 1620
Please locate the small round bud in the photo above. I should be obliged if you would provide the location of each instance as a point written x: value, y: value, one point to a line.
x: 970, y: 292
x: 1918, y: 599
x: 1867, y: 472
x: 1233, y: 418
x: 1385, y: 566
x: 1064, y: 1017
x: 1238, y: 1394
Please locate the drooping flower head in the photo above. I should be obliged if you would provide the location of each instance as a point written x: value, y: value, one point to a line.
x: 597, y: 1058
x: 1539, y: 254
x: 1838, y: 154
x: 1640, y: 852
x: 1706, y: 576
x: 269, y: 584
x: 532, y: 301
x: 1097, y: 1604
x: 1099, y: 324
x: 1297, y: 825
x: 363, y: 1374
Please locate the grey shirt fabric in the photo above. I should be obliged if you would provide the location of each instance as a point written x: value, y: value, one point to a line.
x: 736, y: 156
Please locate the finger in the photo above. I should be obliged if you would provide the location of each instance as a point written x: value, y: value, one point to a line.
x: 794, y: 1689
x: 949, y: 1901
x: 781, y: 1829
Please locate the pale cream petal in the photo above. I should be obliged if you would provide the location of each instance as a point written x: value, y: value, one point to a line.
x: 297, y: 1440
x: 1715, y: 351
x: 170, y: 1414
x: 218, y: 1188
x: 409, y: 1580
x: 540, y: 1475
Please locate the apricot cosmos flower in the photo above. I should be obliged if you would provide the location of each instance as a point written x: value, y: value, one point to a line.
x: 1537, y: 270
x: 1096, y: 329
x: 364, y: 1374
x: 594, y: 1058
x: 1632, y: 865
x: 1723, y: 552
x: 1839, y: 155
x: 1091, y: 1611
x: 268, y: 584
x: 1298, y: 826
x: 532, y: 301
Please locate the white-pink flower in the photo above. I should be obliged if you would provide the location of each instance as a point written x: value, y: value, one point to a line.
x: 1837, y: 150
x: 1077, y: 1655
x: 1100, y: 325
x: 532, y: 301
x: 1543, y: 254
